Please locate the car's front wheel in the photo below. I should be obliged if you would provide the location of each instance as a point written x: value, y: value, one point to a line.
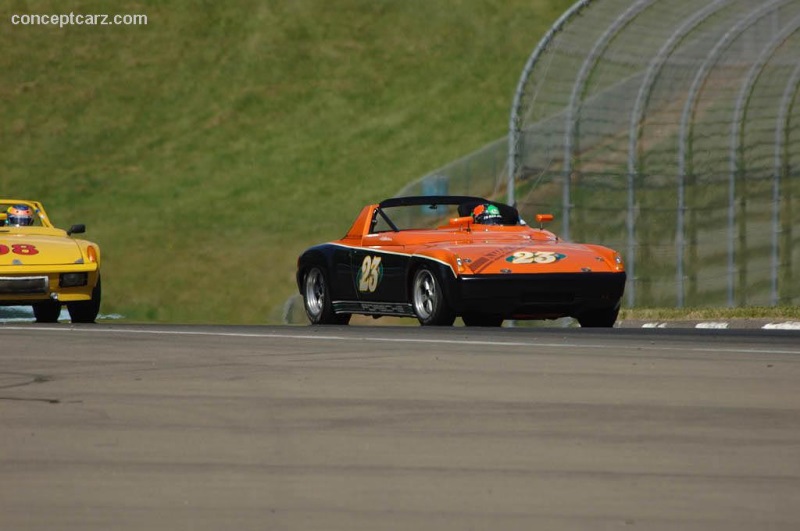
x: 428, y: 300
x: 86, y: 311
x: 47, y: 312
x: 317, y: 299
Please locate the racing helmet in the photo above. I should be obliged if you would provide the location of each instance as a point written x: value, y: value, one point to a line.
x: 487, y: 214
x: 19, y: 216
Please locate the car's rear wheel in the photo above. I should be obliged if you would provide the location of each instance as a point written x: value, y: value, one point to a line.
x: 427, y: 298
x: 47, y: 312
x: 603, y: 318
x: 482, y: 319
x: 317, y: 299
x: 86, y: 311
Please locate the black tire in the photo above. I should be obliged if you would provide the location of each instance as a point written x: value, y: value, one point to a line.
x: 86, y: 311
x: 47, y: 312
x: 317, y: 299
x: 428, y: 300
x: 604, y: 318
x: 482, y: 319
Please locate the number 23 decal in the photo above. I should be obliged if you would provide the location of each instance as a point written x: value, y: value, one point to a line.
x: 537, y: 257
x: 19, y: 248
x: 370, y: 274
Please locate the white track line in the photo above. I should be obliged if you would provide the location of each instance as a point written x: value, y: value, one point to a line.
x: 465, y: 342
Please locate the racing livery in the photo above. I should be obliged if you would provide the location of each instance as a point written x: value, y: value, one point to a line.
x: 46, y: 267
x: 441, y: 257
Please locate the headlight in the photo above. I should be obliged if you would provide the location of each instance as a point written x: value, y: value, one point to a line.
x: 462, y: 265
x: 72, y: 280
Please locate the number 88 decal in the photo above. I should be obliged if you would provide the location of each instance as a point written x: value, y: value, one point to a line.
x: 537, y: 257
x: 19, y: 248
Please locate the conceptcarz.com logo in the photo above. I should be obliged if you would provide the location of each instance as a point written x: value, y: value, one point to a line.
x: 73, y: 19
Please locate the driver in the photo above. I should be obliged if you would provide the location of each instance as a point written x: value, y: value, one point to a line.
x: 19, y: 216
x: 487, y: 214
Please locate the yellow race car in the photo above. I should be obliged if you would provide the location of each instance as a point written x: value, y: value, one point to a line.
x: 45, y: 267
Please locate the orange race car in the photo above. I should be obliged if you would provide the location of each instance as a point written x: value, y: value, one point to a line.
x: 439, y: 257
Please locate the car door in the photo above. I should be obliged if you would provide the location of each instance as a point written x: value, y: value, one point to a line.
x: 379, y: 269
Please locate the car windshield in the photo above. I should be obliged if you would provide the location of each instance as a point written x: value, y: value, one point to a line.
x: 5, y: 221
x: 408, y: 217
x: 431, y: 215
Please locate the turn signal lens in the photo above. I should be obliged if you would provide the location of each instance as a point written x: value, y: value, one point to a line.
x: 91, y: 253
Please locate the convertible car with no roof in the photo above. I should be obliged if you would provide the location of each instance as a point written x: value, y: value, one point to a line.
x: 46, y: 267
x: 441, y: 257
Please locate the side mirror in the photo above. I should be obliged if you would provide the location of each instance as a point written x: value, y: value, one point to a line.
x: 543, y: 218
x: 76, y: 229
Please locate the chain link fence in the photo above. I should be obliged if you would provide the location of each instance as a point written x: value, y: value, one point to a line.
x: 665, y: 129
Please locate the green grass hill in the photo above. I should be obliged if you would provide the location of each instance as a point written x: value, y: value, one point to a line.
x: 206, y: 149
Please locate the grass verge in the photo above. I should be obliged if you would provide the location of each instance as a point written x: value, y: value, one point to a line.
x: 207, y: 149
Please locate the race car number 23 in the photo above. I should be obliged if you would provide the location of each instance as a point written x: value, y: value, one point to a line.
x: 19, y: 248
x: 369, y: 276
x: 538, y: 257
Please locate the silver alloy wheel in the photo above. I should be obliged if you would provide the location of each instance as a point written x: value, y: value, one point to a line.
x: 425, y: 294
x: 315, y: 293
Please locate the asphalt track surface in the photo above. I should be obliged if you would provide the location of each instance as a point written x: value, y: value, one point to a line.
x: 403, y: 428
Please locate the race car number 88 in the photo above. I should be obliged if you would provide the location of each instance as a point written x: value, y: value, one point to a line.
x: 19, y: 248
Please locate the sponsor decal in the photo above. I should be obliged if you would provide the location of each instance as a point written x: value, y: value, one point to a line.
x: 370, y: 274
x: 384, y: 308
x: 535, y: 257
x: 488, y: 258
